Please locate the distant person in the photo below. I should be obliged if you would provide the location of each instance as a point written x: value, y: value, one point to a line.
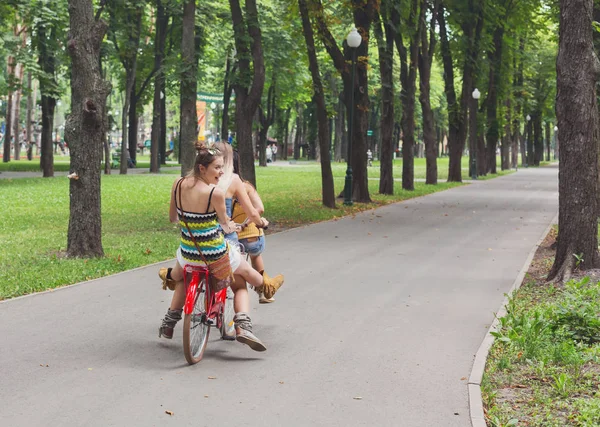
x: 274, y: 151
x: 269, y: 154
x: 370, y: 157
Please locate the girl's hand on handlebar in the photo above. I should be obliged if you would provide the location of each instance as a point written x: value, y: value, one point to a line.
x: 264, y: 223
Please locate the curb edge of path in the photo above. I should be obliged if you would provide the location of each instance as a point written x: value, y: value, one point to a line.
x: 474, y: 383
x: 97, y: 279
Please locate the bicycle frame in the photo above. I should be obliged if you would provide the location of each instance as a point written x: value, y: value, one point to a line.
x: 215, y: 302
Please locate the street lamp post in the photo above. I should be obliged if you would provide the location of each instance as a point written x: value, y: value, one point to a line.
x: 473, y: 128
x: 353, y: 39
x: 529, y: 147
x: 555, y: 141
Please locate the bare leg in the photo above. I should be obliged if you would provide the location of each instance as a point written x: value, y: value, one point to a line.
x: 174, y: 312
x: 179, y: 294
x: 257, y: 263
x: 249, y: 274
x: 241, y: 301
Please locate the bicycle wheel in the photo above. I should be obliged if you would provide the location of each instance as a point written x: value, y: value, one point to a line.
x: 227, y: 326
x: 195, y: 329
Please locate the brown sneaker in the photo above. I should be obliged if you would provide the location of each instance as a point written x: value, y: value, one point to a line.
x: 270, y: 285
x: 243, y: 331
x: 163, y: 273
x: 168, y: 324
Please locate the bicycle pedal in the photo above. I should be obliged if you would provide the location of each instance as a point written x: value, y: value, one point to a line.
x: 211, y: 321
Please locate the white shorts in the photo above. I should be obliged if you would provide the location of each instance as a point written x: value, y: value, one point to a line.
x: 235, y: 258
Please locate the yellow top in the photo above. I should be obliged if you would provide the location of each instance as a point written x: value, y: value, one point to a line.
x: 239, y: 216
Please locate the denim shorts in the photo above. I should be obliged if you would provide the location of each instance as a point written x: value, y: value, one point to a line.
x: 254, y: 248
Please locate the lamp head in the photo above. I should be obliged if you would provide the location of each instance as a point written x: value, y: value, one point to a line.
x: 354, y: 39
x: 476, y: 94
x: 528, y: 117
x: 555, y: 128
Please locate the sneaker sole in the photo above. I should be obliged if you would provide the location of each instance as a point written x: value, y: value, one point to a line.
x: 162, y: 335
x: 256, y: 346
x: 266, y: 300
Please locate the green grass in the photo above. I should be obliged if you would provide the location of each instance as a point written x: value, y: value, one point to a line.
x: 61, y: 164
x: 543, y: 369
x: 135, y: 226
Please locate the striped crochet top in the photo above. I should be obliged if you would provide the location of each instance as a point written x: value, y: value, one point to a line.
x: 204, y: 227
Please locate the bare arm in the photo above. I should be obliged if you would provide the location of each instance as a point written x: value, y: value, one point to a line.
x: 173, y: 217
x: 242, y: 197
x: 218, y: 202
x: 255, y: 198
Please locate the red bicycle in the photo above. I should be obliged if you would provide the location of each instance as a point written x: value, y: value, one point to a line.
x: 204, y: 309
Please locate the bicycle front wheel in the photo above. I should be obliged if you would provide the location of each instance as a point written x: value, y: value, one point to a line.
x: 195, y: 328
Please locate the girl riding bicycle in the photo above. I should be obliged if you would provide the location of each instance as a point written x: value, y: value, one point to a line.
x: 203, y: 207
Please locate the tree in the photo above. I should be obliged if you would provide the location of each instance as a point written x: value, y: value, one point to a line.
x: 408, y: 77
x: 386, y: 70
x: 363, y: 14
x: 326, y: 173
x: 126, y: 22
x: 426, y: 52
x: 578, y: 70
x: 249, y: 80
x: 471, y: 18
x: 162, y: 21
x: 84, y: 129
x: 189, y: 116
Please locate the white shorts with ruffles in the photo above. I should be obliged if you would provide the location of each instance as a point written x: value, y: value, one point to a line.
x: 235, y: 258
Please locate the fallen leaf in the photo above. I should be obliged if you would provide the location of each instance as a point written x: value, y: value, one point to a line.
x: 206, y: 395
x: 463, y: 378
x: 212, y: 378
x: 89, y: 369
x: 357, y: 398
x: 169, y: 413
x: 280, y: 382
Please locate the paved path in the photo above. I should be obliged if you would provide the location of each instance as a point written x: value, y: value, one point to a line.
x: 376, y: 325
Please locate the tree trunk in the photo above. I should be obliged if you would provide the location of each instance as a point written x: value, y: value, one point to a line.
x: 495, y: 76
x: 529, y: 139
x: 47, y: 156
x: 457, y: 113
x: 426, y: 53
x: 29, y: 117
x: 160, y: 38
x: 162, y: 139
x: 547, y: 131
x: 84, y: 129
x: 132, y: 138
x: 538, y: 138
x: 327, y: 187
x: 9, y: 115
x: 386, y: 66
x: 17, y: 111
x: 363, y: 12
x: 408, y: 78
x: 227, y: 90
x: 577, y: 113
x: 188, y: 115
x: 250, y: 80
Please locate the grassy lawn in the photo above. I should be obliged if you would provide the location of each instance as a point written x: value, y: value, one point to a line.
x: 135, y: 225
x: 544, y: 368
x: 61, y: 164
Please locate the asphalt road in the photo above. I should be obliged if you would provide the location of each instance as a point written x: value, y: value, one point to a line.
x: 376, y: 325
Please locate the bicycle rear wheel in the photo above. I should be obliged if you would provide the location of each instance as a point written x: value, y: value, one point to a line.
x: 227, y: 326
x: 195, y: 328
